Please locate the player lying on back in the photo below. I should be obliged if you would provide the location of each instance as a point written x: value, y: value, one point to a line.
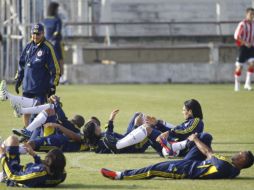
x: 199, y: 163
x: 42, y: 173
x: 152, y: 128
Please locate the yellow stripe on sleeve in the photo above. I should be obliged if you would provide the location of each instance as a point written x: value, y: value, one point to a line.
x: 189, y: 129
x: 55, y: 62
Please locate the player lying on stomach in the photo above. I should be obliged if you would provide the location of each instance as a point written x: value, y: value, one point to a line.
x: 199, y: 163
x: 152, y: 128
x: 42, y: 173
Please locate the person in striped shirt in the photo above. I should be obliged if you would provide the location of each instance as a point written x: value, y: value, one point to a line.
x: 244, y: 36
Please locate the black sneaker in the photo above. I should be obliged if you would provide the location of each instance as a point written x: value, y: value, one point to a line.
x: 22, y: 132
x: 110, y: 142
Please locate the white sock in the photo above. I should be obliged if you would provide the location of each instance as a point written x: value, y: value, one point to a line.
x: 36, y: 109
x: 118, y: 175
x: 248, y: 78
x: 134, y: 137
x: 38, y: 121
x: 23, y: 101
x: 169, y: 125
x: 179, y: 145
x: 22, y: 149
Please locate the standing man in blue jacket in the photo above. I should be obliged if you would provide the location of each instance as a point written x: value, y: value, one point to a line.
x: 38, y: 69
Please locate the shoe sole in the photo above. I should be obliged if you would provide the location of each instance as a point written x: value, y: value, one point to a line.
x: 20, y: 134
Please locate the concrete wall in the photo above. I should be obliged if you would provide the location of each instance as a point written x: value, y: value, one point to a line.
x: 150, y: 73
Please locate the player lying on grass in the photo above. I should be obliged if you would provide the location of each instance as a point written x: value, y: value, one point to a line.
x: 50, y: 112
x: 152, y: 128
x: 199, y: 163
x: 42, y: 173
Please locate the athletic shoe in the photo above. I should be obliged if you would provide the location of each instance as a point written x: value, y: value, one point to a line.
x: 22, y: 132
x: 17, y: 109
x: 247, y: 87
x: 3, y: 91
x: 110, y: 174
x: 167, y: 145
x: 237, y: 86
x: 110, y: 142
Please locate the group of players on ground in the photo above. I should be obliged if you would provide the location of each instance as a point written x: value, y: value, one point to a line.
x: 48, y: 129
x: 51, y: 131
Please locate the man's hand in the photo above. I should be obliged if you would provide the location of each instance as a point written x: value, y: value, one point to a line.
x: 29, y: 149
x: 52, y: 91
x: 150, y: 120
x: 2, y: 150
x: 193, y: 137
x: 139, y: 120
x: 113, y: 115
x: 162, y: 136
x: 17, y: 85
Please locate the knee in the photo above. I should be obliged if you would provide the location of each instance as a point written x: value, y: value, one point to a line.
x: 206, y: 137
x: 50, y: 112
x: 12, y: 141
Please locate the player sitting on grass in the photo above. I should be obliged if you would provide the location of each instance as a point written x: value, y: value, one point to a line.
x: 199, y: 163
x: 153, y: 128
x: 42, y: 173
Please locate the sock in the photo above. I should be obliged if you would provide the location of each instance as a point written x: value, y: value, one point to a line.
x: 22, y: 149
x: 36, y: 109
x: 38, y: 121
x: 118, y: 175
x: 134, y: 137
x: 248, y: 76
x: 179, y: 145
x: 23, y: 101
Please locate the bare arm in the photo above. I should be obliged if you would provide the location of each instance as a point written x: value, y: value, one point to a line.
x: 70, y: 134
x: 201, y: 146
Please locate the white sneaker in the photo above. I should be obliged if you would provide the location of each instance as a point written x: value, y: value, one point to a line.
x: 17, y: 109
x: 247, y: 87
x: 237, y: 86
x: 3, y: 91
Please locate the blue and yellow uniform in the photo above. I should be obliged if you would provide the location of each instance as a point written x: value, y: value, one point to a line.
x: 193, y: 166
x: 38, y: 69
x: 30, y: 175
x: 53, y: 27
x: 178, y: 133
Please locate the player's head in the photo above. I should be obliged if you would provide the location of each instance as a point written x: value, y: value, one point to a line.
x: 249, y: 13
x: 37, y: 32
x: 243, y: 159
x: 192, y: 108
x: 55, y: 160
x: 91, y: 132
x: 78, y: 121
x: 96, y: 120
x: 53, y: 9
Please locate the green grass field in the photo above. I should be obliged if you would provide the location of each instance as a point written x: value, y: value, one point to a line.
x: 228, y: 116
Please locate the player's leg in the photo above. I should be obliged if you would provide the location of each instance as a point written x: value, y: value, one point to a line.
x: 249, y: 74
x: 241, y: 59
x: 38, y: 121
x: 22, y: 101
x: 164, y: 169
x: 131, y: 125
x: 194, y: 153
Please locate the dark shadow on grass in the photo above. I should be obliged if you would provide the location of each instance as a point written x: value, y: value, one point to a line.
x: 92, y: 186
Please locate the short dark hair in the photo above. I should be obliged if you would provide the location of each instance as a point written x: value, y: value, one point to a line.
x: 56, y: 162
x: 52, y: 9
x: 78, y: 120
x: 250, y: 160
x: 195, y: 107
x: 249, y: 9
x: 88, y: 132
x: 96, y: 120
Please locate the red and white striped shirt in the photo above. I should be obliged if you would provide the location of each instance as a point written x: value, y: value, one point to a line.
x: 245, y: 32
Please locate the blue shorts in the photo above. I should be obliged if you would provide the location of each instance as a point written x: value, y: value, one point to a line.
x: 45, y: 144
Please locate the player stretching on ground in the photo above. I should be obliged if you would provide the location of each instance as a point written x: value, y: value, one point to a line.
x: 153, y: 128
x: 244, y: 36
x: 42, y: 173
x: 199, y: 163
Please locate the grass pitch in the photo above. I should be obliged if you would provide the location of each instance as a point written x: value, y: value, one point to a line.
x: 228, y: 116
